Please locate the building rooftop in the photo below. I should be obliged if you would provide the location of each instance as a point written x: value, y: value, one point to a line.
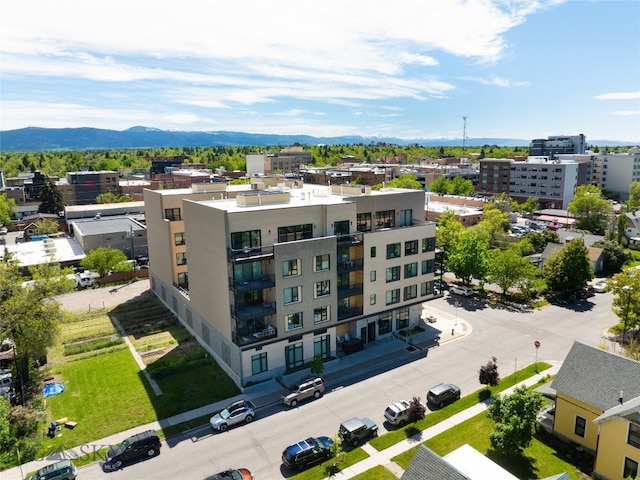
x: 36, y: 252
x: 107, y: 225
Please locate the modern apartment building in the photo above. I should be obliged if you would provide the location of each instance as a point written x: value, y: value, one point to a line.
x: 553, y: 182
x: 82, y: 188
x: 558, y: 144
x: 614, y: 172
x: 275, y: 276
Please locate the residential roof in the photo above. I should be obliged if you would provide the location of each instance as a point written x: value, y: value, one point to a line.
x: 587, y: 238
x: 93, y: 226
x: 596, y: 377
x: 475, y: 465
x: 428, y: 465
x: 627, y: 408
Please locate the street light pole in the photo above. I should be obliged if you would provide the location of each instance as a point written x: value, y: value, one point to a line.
x: 627, y: 289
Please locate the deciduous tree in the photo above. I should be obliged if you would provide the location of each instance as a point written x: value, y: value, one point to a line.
x: 626, y: 298
x: 7, y: 207
x: 468, y: 257
x: 569, y: 268
x: 488, y: 374
x: 515, y: 417
x: 615, y: 256
x: 102, y: 260
x: 494, y: 225
x: 416, y: 410
x: 591, y: 211
x: 633, y: 202
x: 508, y: 268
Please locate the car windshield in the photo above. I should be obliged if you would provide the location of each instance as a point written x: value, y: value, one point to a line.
x: 224, y: 414
x: 235, y: 475
x: 121, y: 448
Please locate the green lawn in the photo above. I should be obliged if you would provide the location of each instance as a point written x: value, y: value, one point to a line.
x: 395, y: 436
x: 376, y: 473
x: 324, y: 469
x: 538, y: 460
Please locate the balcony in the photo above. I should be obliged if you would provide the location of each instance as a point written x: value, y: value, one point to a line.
x: 243, y: 313
x: 254, y: 337
x: 350, y: 290
x: 249, y: 254
x: 351, y: 239
x: 348, y: 312
x: 349, y: 266
x: 266, y: 281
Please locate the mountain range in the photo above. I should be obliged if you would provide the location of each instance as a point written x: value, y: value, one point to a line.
x: 85, y: 138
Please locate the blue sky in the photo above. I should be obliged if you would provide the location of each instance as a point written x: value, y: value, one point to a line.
x: 404, y: 68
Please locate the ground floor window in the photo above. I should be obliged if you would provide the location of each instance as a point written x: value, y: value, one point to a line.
x: 384, y: 324
x: 580, y: 427
x: 294, y: 355
x: 321, y: 346
x: 630, y: 468
x: 402, y: 318
x: 259, y: 363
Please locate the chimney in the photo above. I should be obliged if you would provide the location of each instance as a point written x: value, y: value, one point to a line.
x: 620, y: 399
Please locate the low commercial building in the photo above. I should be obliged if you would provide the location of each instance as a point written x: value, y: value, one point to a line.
x: 274, y: 276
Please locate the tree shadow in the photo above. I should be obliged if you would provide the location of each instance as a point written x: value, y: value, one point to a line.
x: 520, y: 465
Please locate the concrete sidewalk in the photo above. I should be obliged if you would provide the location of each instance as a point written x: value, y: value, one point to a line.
x: 384, y: 457
x: 375, y: 358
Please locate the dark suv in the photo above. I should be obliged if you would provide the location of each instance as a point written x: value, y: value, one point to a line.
x: 307, y: 452
x: 354, y: 430
x: 142, y: 445
x: 442, y: 394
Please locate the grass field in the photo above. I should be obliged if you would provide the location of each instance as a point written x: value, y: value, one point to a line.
x: 539, y: 460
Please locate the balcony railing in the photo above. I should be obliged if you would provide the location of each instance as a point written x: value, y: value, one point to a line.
x: 351, y: 239
x: 266, y: 281
x: 253, y: 311
x: 255, y: 337
x: 184, y: 290
x: 250, y: 253
x: 349, y: 290
x: 350, y: 266
x: 348, y: 312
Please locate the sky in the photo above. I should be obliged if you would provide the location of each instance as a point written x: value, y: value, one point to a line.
x: 409, y: 69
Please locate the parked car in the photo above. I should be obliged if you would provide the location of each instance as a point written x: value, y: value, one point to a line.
x: 62, y: 470
x: 241, y: 411
x: 600, y: 286
x: 462, y: 290
x: 310, y: 388
x: 442, y: 394
x: 397, y: 413
x: 232, y: 474
x: 354, y: 430
x: 307, y: 452
x: 4, y: 230
x: 142, y: 445
x: 440, y: 284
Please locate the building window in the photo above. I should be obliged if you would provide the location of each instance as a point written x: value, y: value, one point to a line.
x: 410, y: 292
x: 341, y: 227
x: 630, y: 468
x: 294, y: 355
x: 373, y: 252
x: 426, y: 288
x: 384, y: 324
x: 179, y: 238
x: 386, y: 219
x: 246, y: 240
x: 295, y: 232
x: 183, y: 280
x: 393, y: 250
x: 428, y: 244
x: 322, y: 288
x: 393, y: 296
x: 321, y: 346
x: 320, y: 314
x: 393, y: 274
x: 411, y: 247
x: 172, y: 214
x: 634, y: 435
x: 372, y: 299
x: 406, y: 218
x: 372, y: 276
x: 402, y: 318
x: 259, y: 363
x: 291, y: 268
x: 181, y: 258
x: 321, y: 263
x: 427, y: 266
x: 363, y: 222
x: 580, y: 426
x: 411, y: 270
x: 293, y: 320
x: 291, y: 295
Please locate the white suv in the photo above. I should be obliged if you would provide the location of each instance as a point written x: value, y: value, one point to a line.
x: 461, y: 290
x: 397, y: 413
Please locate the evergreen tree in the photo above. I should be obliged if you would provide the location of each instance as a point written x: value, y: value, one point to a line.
x: 50, y: 199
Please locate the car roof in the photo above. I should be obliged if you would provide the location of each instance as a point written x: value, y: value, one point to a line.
x: 301, y: 446
x: 55, y: 466
x: 399, y: 405
x: 443, y: 387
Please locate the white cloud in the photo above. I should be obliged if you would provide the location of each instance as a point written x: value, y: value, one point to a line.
x: 626, y: 112
x: 619, y: 96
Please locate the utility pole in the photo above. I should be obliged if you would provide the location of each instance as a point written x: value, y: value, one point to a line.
x: 464, y: 134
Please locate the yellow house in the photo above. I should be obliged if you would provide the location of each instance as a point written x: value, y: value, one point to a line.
x: 619, y: 448
x: 591, y: 411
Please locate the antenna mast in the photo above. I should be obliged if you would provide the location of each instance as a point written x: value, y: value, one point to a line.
x: 464, y: 133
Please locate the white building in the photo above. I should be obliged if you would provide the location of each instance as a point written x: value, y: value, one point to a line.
x: 614, y: 172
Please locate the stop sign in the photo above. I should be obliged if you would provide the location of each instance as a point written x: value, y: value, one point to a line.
x: 537, y: 344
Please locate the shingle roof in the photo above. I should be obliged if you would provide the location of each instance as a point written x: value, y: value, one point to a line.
x: 596, y: 377
x: 426, y: 465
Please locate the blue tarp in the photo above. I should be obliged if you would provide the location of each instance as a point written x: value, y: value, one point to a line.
x: 52, y: 389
